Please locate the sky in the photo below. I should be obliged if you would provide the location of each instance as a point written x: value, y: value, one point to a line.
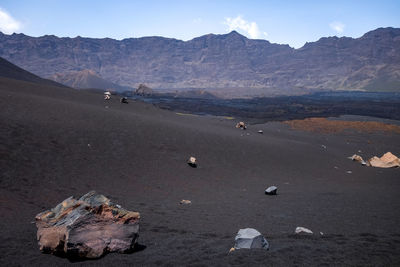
x: 283, y: 22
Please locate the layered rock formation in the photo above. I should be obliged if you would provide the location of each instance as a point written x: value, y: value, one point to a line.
x: 230, y: 62
x: 87, y: 227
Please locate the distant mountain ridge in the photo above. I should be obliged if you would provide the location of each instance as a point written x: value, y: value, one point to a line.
x: 229, y: 63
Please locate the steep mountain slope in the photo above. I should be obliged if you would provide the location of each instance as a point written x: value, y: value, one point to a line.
x: 87, y: 79
x: 11, y: 71
x: 222, y: 62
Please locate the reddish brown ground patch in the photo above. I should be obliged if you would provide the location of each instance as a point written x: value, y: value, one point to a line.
x: 324, y: 125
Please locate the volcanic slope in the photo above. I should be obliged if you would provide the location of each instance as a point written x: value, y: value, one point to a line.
x: 11, y: 71
x: 56, y: 142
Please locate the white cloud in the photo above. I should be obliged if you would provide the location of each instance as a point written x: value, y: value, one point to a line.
x: 7, y: 23
x: 238, y: 23
x: 198, y: 20
x: 337, y: 26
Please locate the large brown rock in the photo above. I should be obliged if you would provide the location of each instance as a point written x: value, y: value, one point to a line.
x: 87, y: 227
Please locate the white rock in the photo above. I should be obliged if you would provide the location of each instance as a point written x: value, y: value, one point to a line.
x: 303, y: 230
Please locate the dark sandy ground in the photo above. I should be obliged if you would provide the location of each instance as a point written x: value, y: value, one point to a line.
x: 57, y: 142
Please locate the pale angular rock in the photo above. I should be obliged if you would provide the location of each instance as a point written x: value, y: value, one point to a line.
x: 388, y: 160
x: 272, y: 190
x: 250, y: 238
x: 87, y: 227
x: 358, y: 158
x: 303, y: 230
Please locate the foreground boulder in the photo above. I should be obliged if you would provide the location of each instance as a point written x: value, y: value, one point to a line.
x: 87, y: 227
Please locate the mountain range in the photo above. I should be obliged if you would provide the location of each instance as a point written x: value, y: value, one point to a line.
x: 227, y: 64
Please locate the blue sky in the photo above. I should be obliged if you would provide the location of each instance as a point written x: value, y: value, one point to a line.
x: 284, y: 22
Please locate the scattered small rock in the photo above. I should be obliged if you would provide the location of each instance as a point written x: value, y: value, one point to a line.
x: 303, y: 230
x: 241, y: 125
x: 260, y: 131
x: 323, y: 146
x: 192, y: 162
x: 107, y: 95
x: 349, y: 172
x: 358, y: 158
x: 185, y: 202
x: 272, y: 190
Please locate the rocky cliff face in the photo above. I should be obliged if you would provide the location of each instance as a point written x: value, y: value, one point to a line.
x: 228, y: 62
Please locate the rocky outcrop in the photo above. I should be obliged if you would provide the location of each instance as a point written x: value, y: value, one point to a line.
x: 143, y: 90
x: 87, y: 227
